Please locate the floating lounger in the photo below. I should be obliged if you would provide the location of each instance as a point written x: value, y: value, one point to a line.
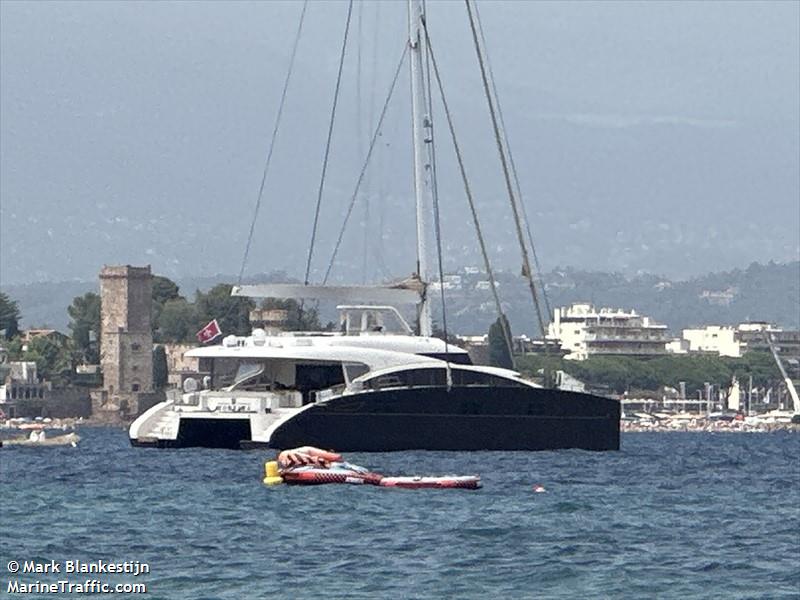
x: 468, y: 482
x: 337, y: 473
x: 347, y: 474
x: 312, y: 466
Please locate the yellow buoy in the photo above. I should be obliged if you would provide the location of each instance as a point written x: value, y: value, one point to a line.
x: 271, y: 474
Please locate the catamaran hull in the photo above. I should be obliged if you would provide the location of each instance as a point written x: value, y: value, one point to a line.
x: 467, y: 418
x: 203, y: 433
x: 462, y: 419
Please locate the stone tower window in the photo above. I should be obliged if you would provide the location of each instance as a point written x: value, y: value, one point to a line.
x: 135, y: 387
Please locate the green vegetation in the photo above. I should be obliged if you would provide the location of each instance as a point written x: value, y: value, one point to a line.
x: 177, y: 322
x: 499, y: 353
x: 160, y: 369
x: 164, y: 290
x: 231, y: 312
x: 84, y: 313
x: 9, y: 317
x: 55, y: 357
x: 621, y: 374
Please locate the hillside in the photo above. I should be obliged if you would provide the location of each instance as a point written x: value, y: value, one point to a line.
x: 760, y: 292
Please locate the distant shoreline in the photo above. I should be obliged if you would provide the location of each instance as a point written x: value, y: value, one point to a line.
x: 723, y: 427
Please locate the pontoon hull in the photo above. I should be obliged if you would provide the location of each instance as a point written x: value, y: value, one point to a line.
x: 465, y: 418
x: 469, y: 418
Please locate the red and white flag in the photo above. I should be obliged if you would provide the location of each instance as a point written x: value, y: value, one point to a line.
x: 209, y: 332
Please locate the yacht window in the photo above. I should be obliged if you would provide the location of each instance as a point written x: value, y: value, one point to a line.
x: 223, y: 372
x: 466, y: 377
x: 247, y: 370
x: 251, y: 377
x: 438, y: 377
x: 410, y: 378
x: 354, y: 370
x: 312, y: 377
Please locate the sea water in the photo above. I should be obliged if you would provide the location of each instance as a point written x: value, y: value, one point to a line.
x: 671, y: 515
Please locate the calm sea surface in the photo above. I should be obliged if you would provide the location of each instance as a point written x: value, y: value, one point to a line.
x: 682, y: 515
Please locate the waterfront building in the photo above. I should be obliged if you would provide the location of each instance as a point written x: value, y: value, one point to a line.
x: 583, y: 331
x: 735, y: 341
x: 179, y: 366
x: 20, y: 381
x: 126, y: 341
x: 271, y: 320
x: 716, y: 339
x: 753, y: 336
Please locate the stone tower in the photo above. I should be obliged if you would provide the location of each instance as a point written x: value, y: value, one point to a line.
x: 126, y: 343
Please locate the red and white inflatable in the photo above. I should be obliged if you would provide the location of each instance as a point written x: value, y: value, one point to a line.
x: 311, y: 466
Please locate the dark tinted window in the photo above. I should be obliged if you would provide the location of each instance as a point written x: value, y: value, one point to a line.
x: 413, y: 377
x: 438, y: 377
x: 464, y: 377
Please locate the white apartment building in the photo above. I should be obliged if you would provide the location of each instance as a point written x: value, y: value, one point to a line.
x: 585, y: 331
x: 735, y: 341
x: 717, y: 339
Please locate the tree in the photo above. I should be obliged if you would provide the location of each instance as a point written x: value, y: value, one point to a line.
x: 164, y: 290
x: 14, y: 349
x: 9, y: 316
x: 53, y: 359
x: 499, y: 352
x: 178, y: 322
x: 84, y: 325
x: 231, y: 312
x: 620, y: 374
x: 160, y: 370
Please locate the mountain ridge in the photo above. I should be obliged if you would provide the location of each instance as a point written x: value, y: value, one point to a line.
x: 769, y: 292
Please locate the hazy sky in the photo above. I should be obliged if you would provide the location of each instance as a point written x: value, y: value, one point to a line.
x: 650, y: 136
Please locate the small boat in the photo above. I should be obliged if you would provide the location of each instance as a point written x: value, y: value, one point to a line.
x: 70, y: 439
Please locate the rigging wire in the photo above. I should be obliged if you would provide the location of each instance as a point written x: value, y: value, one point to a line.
x: 328, y: 143
x: 470, y: 198
x: 361, y: 175
x: 511, y: 161
x: 272, y: 141
x: 506, y: 174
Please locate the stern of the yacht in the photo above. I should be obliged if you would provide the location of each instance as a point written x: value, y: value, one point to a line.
x: 215, y: 419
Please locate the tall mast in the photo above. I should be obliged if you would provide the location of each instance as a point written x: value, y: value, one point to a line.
x: 421, y: 127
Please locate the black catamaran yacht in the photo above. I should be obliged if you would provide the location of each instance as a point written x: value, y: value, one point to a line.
x: 374, y: 385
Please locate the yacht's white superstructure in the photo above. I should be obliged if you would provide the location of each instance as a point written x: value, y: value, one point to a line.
x: 368, y: 390
x: 256, y: 382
